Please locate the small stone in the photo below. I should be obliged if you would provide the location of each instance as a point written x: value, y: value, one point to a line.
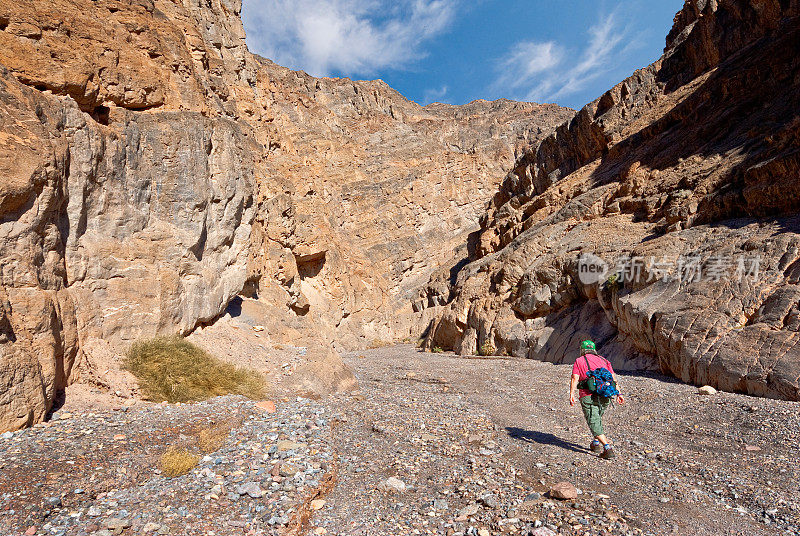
x: 7, y: 435
x: 468, y: 511
x: 664, y: 500
x: 150, y: 527
x: 488, y: 500
x: 483, y: 532
x: 707, y: 390
x: 251, y: 489
x: 267, y: 406
x: 288, y: 469
x: 440, y: 504
x: 564, y: 491
x: 94, y: 511
x: 752, y: 448
x: 116, y: 524
x: 119, y: 437
x: 393, y: 485
x: 31, y: 531
x: 320, y: 531
x: 542, y: 531
x: 316, y: 504
x: 285, y: 444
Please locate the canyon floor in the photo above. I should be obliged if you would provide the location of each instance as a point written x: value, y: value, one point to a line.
x: 431, y: 444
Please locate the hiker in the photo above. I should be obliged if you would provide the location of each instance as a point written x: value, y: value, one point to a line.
x: 594, y: 404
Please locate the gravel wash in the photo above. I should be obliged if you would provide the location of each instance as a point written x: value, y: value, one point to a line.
x: 98, y: 473
x: 431, y: 444
x: 479, y: 443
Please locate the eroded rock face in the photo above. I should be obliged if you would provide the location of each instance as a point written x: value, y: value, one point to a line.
x: 116, y: 224
x: 370, y: 192
x: 154, y: 169
x: 695, y: 155
x: 113, y: 233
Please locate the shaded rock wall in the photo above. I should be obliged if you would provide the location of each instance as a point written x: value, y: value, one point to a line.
x: 114, y: 234
x: 695, y: 155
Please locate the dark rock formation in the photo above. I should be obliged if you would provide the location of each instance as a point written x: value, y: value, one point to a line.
x: 694, y: 158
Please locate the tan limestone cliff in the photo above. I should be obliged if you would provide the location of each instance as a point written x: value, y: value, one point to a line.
x: 155, y: 169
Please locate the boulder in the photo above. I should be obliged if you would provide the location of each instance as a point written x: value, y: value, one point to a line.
x: 564, y: 491
x: 707, y: 390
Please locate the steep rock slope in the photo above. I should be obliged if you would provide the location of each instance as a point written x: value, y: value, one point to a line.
x: 370, y: 192
x: 116, y: 223
x: 154, y: 169
x: 690, y: 165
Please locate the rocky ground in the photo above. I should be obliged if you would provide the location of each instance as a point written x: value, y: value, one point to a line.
x: 432, y: 444
x: 479, y: 443
x: 99, y: 473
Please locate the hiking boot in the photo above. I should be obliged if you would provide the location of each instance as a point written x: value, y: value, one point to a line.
x: 608, y: 453
x: 596, y: 446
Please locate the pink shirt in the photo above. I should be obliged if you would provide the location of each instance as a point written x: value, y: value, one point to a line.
x: 580, y: 369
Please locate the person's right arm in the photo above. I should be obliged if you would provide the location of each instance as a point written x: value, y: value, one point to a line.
x: 573, y: 384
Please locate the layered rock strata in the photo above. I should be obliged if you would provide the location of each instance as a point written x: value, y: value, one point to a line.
x: 693, y: 159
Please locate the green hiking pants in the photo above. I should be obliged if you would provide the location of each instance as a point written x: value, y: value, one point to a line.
x: 593, y: 408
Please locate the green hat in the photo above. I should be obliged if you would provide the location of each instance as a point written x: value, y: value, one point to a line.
x: 587, y: 345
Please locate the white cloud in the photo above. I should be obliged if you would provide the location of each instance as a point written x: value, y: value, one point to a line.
x: 434, y: 95
x: 546, y: 72
x: 353, y: 36
x: 527, y: 60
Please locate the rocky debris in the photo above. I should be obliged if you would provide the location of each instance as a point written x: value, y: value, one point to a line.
x: 252, y: 489
x: 507, y: 435
x: 504, y: 435
x: 95, y: 484
x: 267, y: 406
x: 682, y: 180
x: 393, y: 485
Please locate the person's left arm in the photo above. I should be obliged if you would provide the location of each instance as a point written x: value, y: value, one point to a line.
x: 620, y: 398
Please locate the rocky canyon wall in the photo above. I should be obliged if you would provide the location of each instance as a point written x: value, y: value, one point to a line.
x: 153, y: 169
x: 691, y: 162
x: 368, y: 192
x: 127, y: 193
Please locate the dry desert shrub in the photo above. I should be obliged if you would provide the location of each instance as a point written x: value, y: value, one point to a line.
x: 177, y: 461
x: 212, y: 438
x: 487, y: 349
x: 175, y: 370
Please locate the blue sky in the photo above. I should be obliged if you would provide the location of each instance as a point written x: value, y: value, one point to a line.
x: 568, y: 52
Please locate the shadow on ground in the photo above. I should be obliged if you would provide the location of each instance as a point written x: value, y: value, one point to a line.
x: 543, y: 438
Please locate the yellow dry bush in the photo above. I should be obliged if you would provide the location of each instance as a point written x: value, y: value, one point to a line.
x: 178, y: 461
x: 175, y: 370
